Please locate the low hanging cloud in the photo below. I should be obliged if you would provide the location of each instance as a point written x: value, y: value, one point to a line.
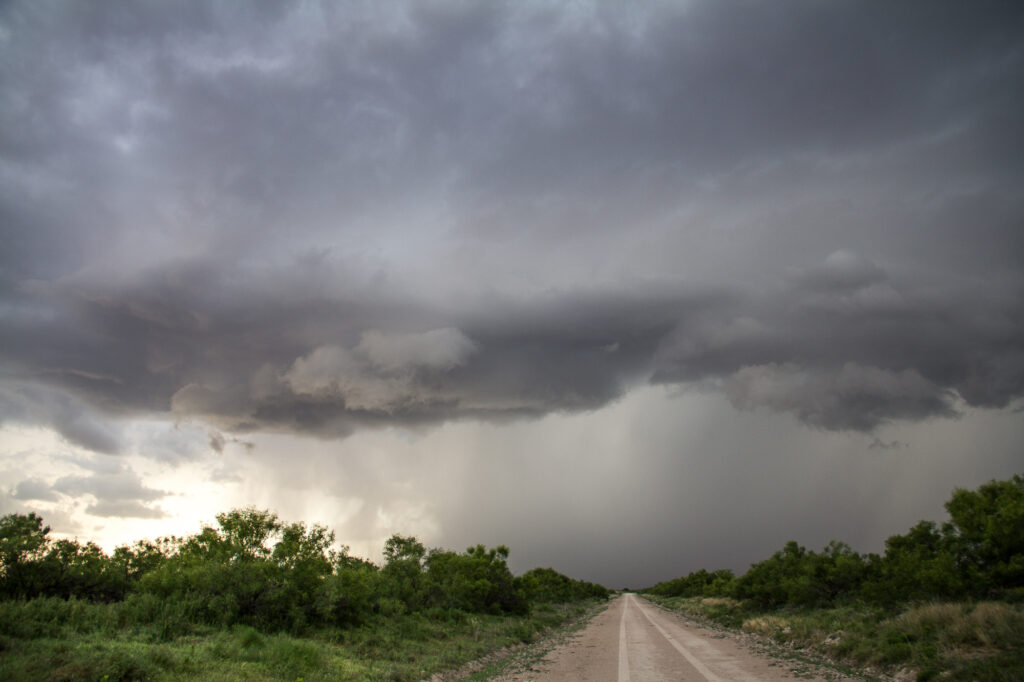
x: 34, y: 489
x: 218, y: 442
x: 843, y: 271
x: 124, y: 509
x: 841, y: 345
x: 116, y: 491
x: 384, y: 372
x: 853, y: 398
x: 437, y: 349
x: 77, y: 422
x: 317, y: 219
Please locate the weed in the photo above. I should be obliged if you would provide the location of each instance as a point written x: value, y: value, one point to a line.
x: 53, y: 640
x: 248, y: 637
x: 936, y: 639
x: 768, y: 626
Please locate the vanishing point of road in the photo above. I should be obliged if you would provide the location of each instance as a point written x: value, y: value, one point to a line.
x: 634, y: 641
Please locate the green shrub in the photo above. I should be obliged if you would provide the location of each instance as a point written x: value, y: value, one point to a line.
x: 546, y: 585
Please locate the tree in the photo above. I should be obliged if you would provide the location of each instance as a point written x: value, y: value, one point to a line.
x: 24, y: 542
x: 133, y: 562
x: 352, y: 593
x: 403, y: 549
x: 920, y: 564
x: 403, y: 569
x: 989, y: 527
x: 776, y: 580
x: 478, y: 581
x: 247, y: 531
x: 548, y: 585
x: 83, y: 571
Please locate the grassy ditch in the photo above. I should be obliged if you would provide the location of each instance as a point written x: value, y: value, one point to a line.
x: 525, y: 658
x: 948, y: 640
x: 76, y: 640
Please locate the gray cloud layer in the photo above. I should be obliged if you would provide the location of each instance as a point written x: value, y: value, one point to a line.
x: 320, y: 218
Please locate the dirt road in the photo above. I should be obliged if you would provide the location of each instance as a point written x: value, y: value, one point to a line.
x: 635, y: 641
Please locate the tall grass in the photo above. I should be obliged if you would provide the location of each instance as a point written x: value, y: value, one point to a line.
x: 983, y: 626
x: 54, y: 639
x: 959, y: 640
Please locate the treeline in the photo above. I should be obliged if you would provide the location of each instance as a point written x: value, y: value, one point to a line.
x: 978, y: 553
x: 255, y: 570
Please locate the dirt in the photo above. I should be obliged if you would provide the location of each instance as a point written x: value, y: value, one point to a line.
x: 633, y: 640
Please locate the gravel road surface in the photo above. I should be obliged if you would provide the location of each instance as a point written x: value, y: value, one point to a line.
x: 635, y: 641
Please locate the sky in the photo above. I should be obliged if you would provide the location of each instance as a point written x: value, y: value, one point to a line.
x: 633, y: 288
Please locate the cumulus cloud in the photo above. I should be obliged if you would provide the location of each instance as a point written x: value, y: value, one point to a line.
x: 34, y: 489
x: 384, y: 372
x: 330, y: 372
x: 115, y: 492
x: 854, y: 397
x: 124, y: 509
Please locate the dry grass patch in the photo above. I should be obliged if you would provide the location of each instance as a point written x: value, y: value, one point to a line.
x: 986, y: 625
x: 712, y: 602
x: 921, y: 619
x: 769, y: 626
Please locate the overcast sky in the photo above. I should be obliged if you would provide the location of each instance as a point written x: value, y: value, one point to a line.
x: 634, y: 288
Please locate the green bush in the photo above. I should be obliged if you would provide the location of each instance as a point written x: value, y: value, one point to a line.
x: 546, y: 585
x: 251, y: 570
x: 978, y: 553
x: 478, y: 581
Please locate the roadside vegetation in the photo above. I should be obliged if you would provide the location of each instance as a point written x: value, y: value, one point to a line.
x: 943, y: 600
x: 254, y: 598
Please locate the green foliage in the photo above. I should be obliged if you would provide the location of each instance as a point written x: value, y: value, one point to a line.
x: 702, y: 583
x: 546, y: 585
x: 403, y: 570
x: 33, y: 565
x: 23, y: 544
x: 229, y: 575
x: 922, y: 564
x: 227, y: 603
x: 940, y: 640
x: 891, y: 610
x: 989, y: 529
x: 478, y: 581
x: 80, y: 570
x: 244, y: 533
x: 251, y: 573
x: 979, y: 553
x: 351, y: 594
x: 52, y: 638
x: 799, y: 577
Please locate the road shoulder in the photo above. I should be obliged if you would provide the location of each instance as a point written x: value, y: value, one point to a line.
x: 511, y: 663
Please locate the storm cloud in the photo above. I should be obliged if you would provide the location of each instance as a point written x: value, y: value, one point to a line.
x: 314, y: 219
x: 323, y: 220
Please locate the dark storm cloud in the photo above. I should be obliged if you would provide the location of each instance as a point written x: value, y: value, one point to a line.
x: 318, y: 218
x: 68, y: 415
x: 839, y: 346
x: 843, y: 348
